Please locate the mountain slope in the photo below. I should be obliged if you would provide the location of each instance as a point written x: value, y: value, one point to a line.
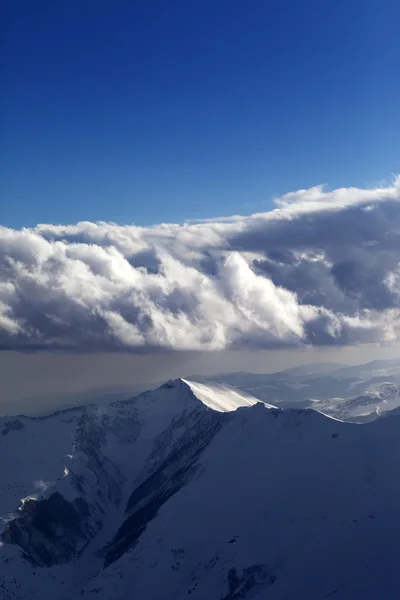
x: 35, y: 448
x: 185, y: 500
x: 286, y: 505
x: 114, y: 451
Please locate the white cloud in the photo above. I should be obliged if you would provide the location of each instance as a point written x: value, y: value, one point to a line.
x: 321, y: 268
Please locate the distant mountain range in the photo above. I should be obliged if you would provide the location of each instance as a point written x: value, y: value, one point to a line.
x: 356, y: 393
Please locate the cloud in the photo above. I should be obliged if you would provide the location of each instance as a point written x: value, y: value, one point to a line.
x: 322, y: 268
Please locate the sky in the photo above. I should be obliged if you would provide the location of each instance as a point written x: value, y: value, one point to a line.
x: 149, y: 112
x: 195, y: 187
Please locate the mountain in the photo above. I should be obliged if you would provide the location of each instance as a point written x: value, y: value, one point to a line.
x: 373, y: 402
x: 322, y: 368
x: 198, y: 490
x: 35, y: 449
x: 375, y: 368
x: 101, y: 455
x: 329, y: 387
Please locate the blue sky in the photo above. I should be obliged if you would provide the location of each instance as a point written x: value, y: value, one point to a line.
x: 142, y: 112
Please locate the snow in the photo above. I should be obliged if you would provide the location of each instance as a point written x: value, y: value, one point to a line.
x: 222, y: 398
x: 375, y: 401
x: 276, y: 504
x: 297, y: 385
x: 35, y: 450
x: 301, y: 495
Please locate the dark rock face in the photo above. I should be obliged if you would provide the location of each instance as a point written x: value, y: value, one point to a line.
x: 13, y: 425
x: 55, y: 529
x: 176, y: 470
x: 242, y: 584
x: 49, y: 531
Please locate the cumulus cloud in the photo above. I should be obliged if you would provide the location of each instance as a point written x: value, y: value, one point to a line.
x: 322, y: 268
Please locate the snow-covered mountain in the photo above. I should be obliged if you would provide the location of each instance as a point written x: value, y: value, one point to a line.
x: 32, y: 451
x: 357, y: 393
x: 199, y: 490
x: 372, y: 403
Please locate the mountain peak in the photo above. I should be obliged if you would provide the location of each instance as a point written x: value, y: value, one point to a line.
x: 178, y: 383
x: 215, y: 396
x: 220, y: 397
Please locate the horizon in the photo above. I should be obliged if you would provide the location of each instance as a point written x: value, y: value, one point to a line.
x: 123, y: 380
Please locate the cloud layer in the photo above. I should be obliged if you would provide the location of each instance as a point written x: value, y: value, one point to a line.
x: 321, y: 268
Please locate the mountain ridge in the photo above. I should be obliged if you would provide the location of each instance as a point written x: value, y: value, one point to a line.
x: 222, y: 496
